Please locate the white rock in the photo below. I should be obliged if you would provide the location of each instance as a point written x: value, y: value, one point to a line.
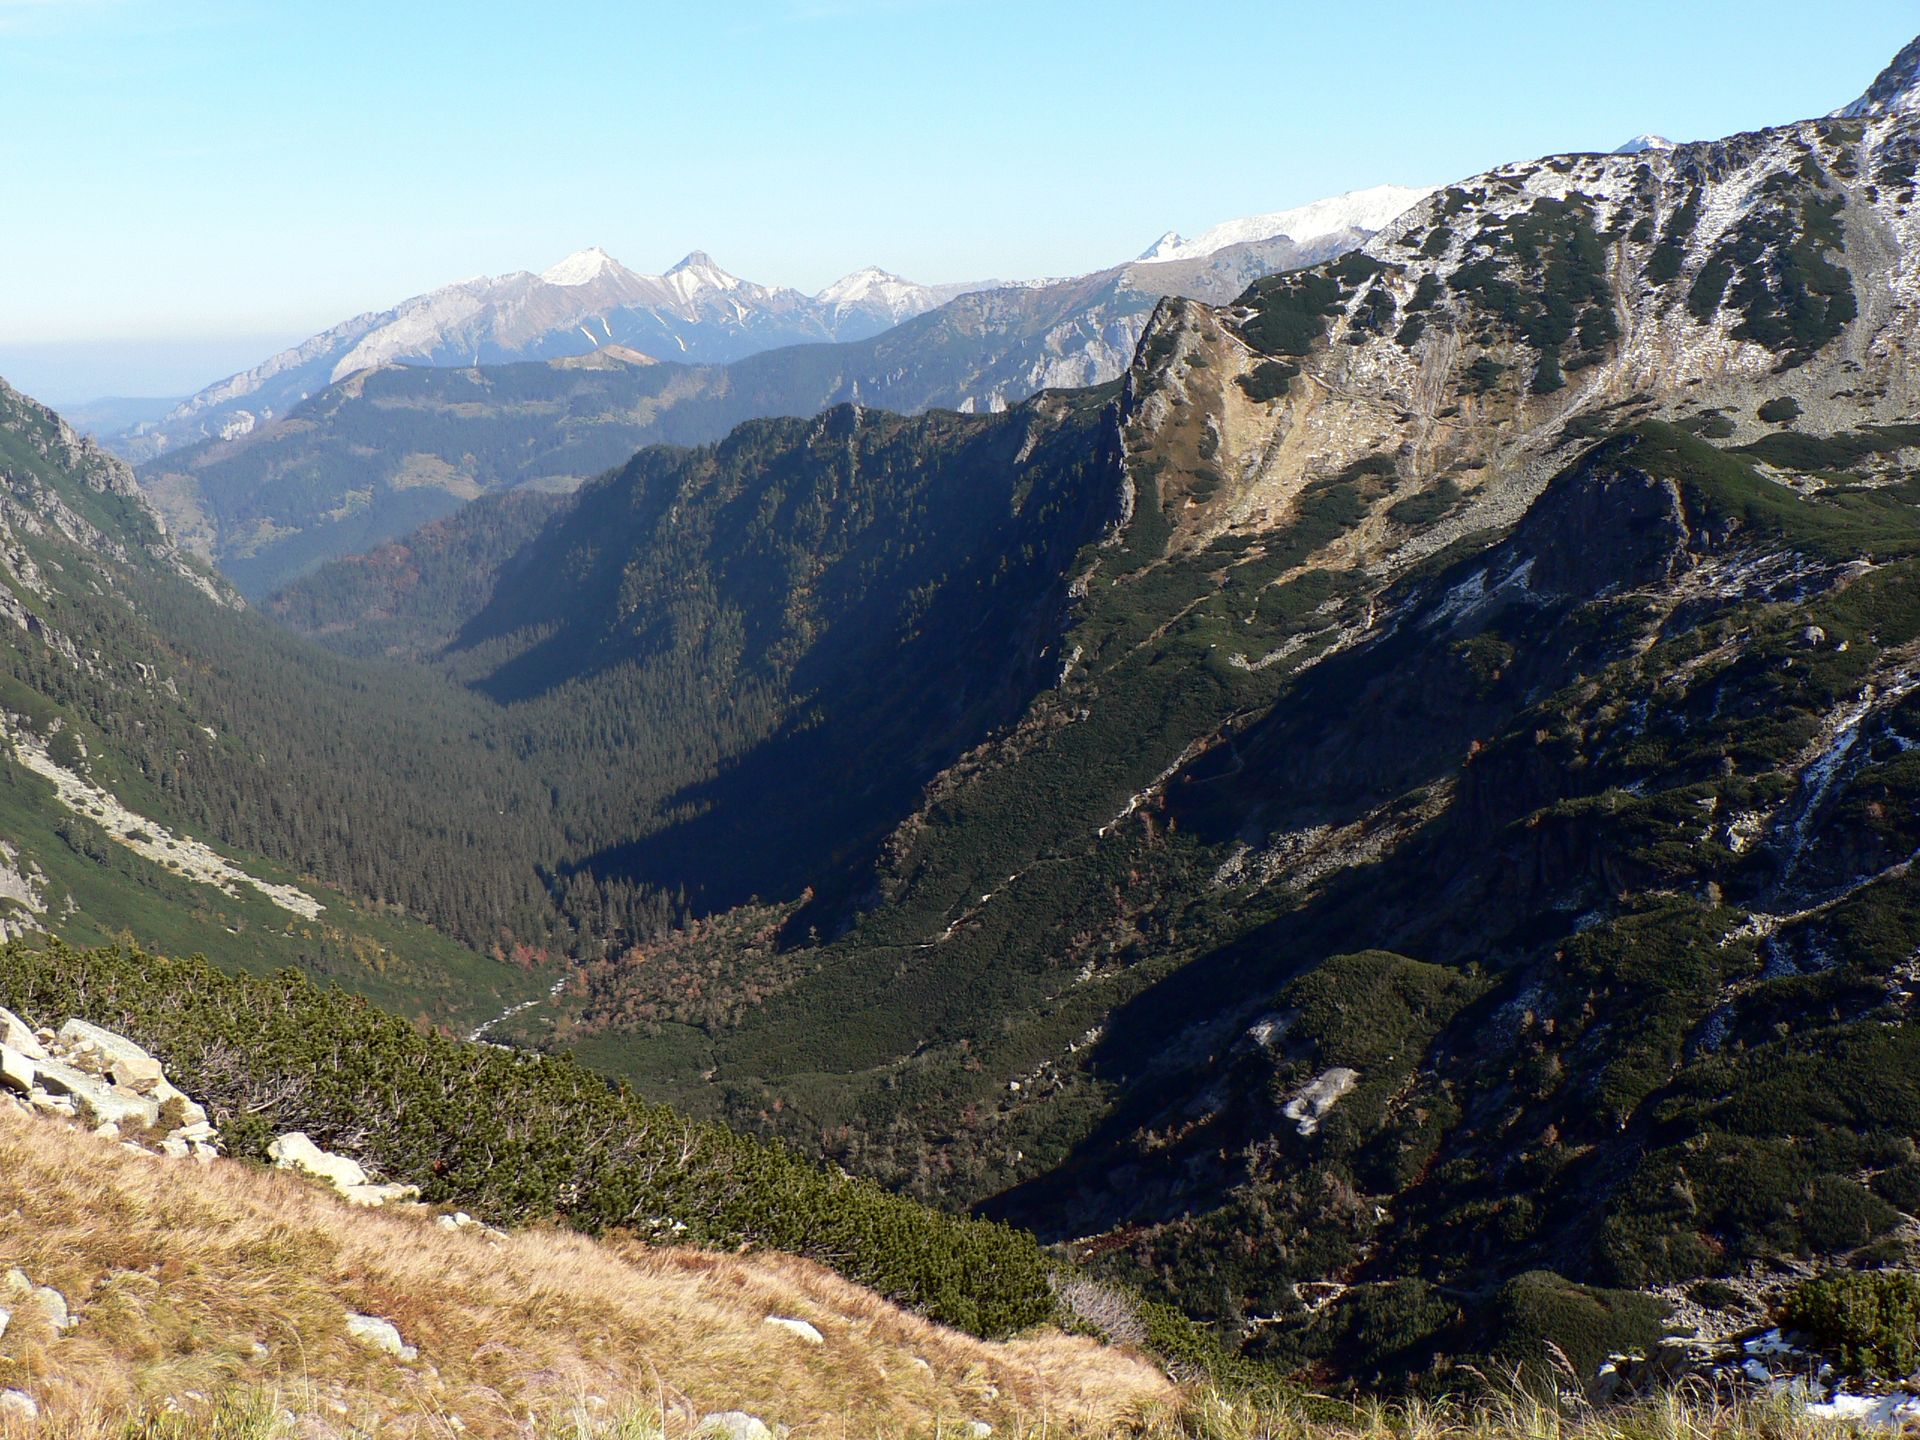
x: 6, y: 1319
x: 798, y: 1327
x: 373, y: 1196
x: 18, y: 1405
x: 16, y: 1034
x: 174, y: 1148
x: 129, y: 1064
x: 380, y: 1334
x: 107, y: 1102
x: 976, y: 1430
x: 54, y: 1306
x: 106, y: 1130
x: 294, y: 1151
x: 732, y: 1425
x: 191, y: 1111
x: 17, y: 1070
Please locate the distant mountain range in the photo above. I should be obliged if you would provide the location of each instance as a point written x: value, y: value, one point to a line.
x: 695, y: 312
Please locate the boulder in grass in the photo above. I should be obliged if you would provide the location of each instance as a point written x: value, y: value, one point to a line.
x: 18, y: 1405
x: 381, y: 1335
x: 374, y: 1196
x: 16, y: 1034
x: 18, y: 1073
x: 800, y: 1328
x: 294, y: 1151
x: 732, y: 1425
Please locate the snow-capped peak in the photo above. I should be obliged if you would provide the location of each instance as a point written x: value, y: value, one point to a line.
x: 877, y: 290
x: 1641, y: 144
x: 1896, y: 88
x: 866, y: 281
x: 698, y: 272
x: 1367, y: 210
x: 580, y: 267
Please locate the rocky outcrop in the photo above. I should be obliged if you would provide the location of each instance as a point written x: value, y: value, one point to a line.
x: 294, y: 1151
x: 84, y: 1073
x: 87, y: 1074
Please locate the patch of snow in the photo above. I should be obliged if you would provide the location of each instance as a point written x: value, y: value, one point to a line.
x: 1311, y: 1102
x: 1369, y: 210
x: 1892, y: 1412
x: 1640, y: 144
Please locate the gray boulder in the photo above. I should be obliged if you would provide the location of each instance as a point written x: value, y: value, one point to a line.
x: 18, y: 1405
x: 294, y: 1151
x: 107, y: 1102
x: 16, y: 1034
x: 380, y: 1334
x: 17, y: 1071
x: 113, y: 1054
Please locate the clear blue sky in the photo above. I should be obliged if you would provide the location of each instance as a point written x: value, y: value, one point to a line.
x: 190, y: 180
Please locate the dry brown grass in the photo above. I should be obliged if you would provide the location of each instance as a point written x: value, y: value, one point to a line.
x: 197, y: 1282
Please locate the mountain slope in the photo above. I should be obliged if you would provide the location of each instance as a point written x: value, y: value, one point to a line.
x: 1460, y: 870
x: 157, y: 734
x: 510, y: 1325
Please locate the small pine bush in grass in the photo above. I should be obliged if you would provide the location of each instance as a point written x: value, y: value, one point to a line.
x: 1869, y: 1322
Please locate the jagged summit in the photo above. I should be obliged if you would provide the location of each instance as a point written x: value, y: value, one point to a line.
x: 1364, y: 210
x: 1641, y: 144
x: 697, y: 273
x: 581, y: 267
x: 1896, y: 88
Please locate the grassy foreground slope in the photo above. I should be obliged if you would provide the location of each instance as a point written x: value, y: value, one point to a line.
x: 214, y: 1287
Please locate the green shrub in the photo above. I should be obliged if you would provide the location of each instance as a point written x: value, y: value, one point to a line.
x: 1541, y: 1309
x: 1268, y: 380
x: 1869, y: 1323
x: 1778, y: 412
